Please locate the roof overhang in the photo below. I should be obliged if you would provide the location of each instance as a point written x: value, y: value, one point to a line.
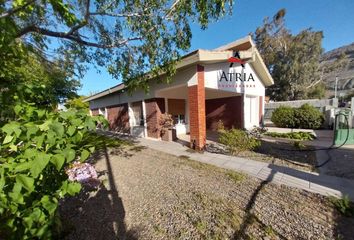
x: 116, y: 88
x: 244, y: 46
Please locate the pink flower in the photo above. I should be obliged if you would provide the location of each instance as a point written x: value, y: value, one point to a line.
x: 84, y: 173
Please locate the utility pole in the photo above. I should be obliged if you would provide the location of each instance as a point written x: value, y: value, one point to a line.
x: 335, y: 88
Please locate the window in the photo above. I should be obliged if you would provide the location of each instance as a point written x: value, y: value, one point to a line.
x: 138, y: 114
x: 102, y: 111
x: 179, y: 119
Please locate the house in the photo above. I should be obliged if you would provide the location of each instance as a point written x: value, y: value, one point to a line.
x: 227, y: 84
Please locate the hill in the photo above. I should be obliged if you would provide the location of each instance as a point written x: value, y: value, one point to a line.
x: 345, y: 76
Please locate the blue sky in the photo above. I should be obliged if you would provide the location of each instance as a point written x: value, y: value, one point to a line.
x: 334, y: 18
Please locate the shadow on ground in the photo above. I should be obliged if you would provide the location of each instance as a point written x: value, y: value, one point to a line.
x: 341, y: 222
x: 102, y: 215
x: 99, y: 214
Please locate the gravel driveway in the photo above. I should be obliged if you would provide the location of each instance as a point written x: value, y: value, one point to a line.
x: 147, y: 194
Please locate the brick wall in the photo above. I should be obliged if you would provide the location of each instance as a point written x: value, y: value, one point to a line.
x: 196, y: 100
x: 228, y: 110
x: 94, y: 112
x: 176, y: 106
x: 154, y: 108
x: 118, y: 118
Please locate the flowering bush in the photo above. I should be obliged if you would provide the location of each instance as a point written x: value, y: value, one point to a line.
x: 35, y: 152
x: 84, y: 173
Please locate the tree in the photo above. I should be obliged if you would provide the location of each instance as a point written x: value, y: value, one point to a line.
x: 36, y: 80
x: 293, y: 60
x: 130, y: 38
x: 77, y: 103
x: 317, y: 91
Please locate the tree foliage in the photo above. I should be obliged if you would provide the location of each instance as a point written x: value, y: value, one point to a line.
x: 23, y: 68
x: 44, y: 45
x: 34, y: 152
x: 293, y: 60
x: 77, y: 103
x: 130, y: 38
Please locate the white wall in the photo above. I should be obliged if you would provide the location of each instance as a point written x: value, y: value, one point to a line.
x: 213, y: 73
x: 182, y: 77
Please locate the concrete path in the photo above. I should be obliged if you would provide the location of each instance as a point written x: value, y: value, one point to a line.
x: 313, y: 182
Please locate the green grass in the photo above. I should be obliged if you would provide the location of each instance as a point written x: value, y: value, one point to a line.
x: 101, y: 141
x: 292, y: 135
x: 201, y: 226
x: 159, y: 230
x: 269, y: 231
x: 235, y: 176
x: 343, y: 205
x: 198, y: 165
x: 299, y: 145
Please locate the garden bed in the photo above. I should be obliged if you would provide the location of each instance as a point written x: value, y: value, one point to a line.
x: 280, y: 152
x: 284, y: 153
x: 302, y: 136
x: 147, y: 194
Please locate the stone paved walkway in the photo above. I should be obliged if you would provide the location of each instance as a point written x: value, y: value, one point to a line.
x: 310, y: 181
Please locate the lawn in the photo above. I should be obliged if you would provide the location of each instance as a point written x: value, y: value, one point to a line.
x: 147, y: 194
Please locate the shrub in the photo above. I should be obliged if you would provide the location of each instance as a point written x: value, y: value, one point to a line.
x: 166, y: 122
x: 284, y: 117
x: 343, y: 205
x: 35, y: 151
x: 299, y: 145
x: 292, y: 135
x: 308, y: 117
x: 237, y: 141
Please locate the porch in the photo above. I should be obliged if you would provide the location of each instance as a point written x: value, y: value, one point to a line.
x: 198, y: 111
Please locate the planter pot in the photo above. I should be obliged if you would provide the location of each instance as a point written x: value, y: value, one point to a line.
x: 169, y: 135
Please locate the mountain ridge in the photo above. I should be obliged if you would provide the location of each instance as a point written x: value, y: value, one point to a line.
x: 346, y: 75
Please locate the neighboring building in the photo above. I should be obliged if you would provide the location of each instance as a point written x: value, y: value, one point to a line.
x: 208, y: 86
x: 61, y: 106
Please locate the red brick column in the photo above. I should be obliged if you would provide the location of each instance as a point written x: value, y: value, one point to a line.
x: 196, y: 100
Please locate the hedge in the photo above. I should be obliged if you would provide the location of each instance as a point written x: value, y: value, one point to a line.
x: 306, y: 117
